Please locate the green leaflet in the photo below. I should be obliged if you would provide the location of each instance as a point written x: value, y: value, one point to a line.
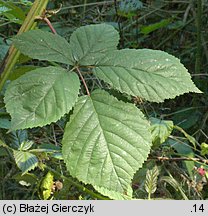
x: 27, y: 179
x: 204, y: 149
x: 41, y: 96
x: 151, y: 181
x: 153, y: 27
x: 25, y: 160
x: 90, y: 43
x: 150, y: 74
x: 160, y: 130
x: 17, y: 138
x: 106, y: 141
x: 46, y: 186
x: 184, y: 150
x: 26, y: 145
x: 42, y: 45
x: 5, y: 122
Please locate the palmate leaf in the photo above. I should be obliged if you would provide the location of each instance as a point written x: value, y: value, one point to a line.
x: 106, y: 141
x: 150, y: 74
x: 90, y: 43
x: 42, y: 45
x: 41, y: 96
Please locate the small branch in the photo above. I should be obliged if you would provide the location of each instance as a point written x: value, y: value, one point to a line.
x: 82, y: 78
x: 179, y: 159
x: 45, y: 19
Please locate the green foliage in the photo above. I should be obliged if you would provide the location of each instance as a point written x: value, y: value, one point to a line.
x: 175, y: 184
x: 89, y: 44
x: 26, y: 161
x: 103, y: 140
x: 150, y: 74
x: 46, y: 186
x: 53, y: 92
x: 12, y: 12
x: 130, y: 5
x: 47, y: 46
x: 128, y: 8
x: 184, y: 150
x: 150, y: 28
x: 204, y: 149
x: 106, y: 140
x: 151, y: 181
x: 5, y: 123
x: 27, y: 179
x: 160, y: 130
x: 4, y: 48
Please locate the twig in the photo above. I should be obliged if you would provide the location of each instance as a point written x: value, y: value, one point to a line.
x: 179, y: 159
x: 82, y: 78
x: 45, y: 19
x: 200, y: 74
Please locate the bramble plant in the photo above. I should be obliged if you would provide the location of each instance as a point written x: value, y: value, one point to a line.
x: 106, y: 140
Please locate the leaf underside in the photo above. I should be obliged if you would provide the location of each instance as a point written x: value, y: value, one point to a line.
x: 41, y: 96
x: 106, y: 141
x: 150, y: 74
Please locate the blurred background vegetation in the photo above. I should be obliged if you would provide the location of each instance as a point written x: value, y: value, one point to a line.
x: 179, y: 27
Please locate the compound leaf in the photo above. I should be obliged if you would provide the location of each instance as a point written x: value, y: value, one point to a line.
x: 43, y: 45
x: 90, y: 43
x: 106, y: 141
x: 150, y: 74
x: 41, y: 96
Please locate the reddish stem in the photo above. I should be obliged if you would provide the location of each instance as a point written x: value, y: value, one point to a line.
x: 82, y: 78
x: 50, y: 25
